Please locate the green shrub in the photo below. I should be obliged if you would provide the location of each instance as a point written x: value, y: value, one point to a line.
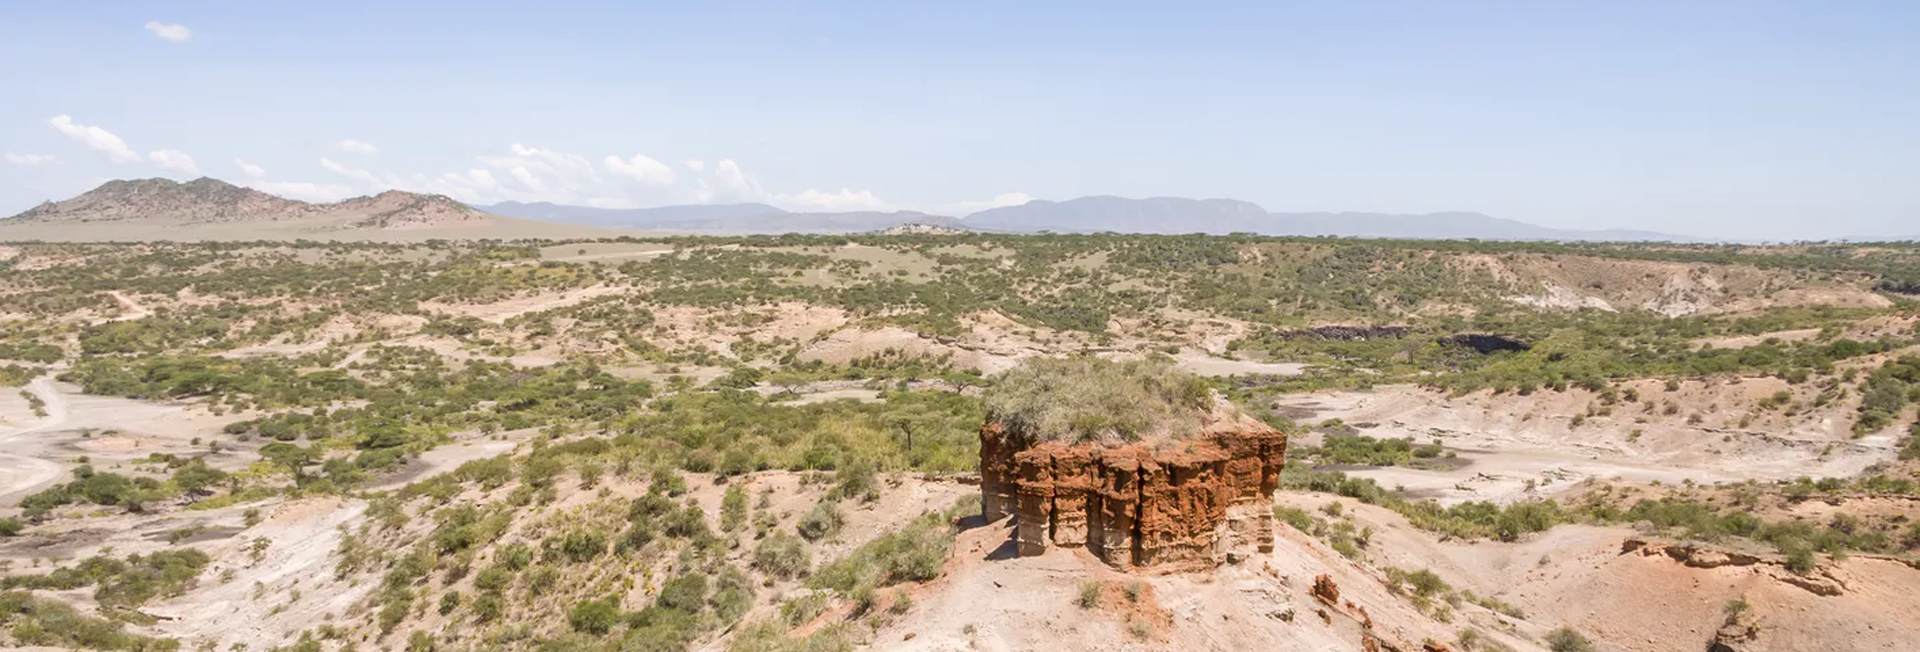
x: 782, y: 555
x: 1800, y: 560
x: 686, y: 593
x: 582, y: 545
x: 821, y: 521
x: 594, y: 616
x: 733, y: 508
x: 36, y: 621
x: 802, y: 610
x: 1567, y: 640
x: 123, y: 583
x: 858, y: 480
x: 489, y: 607
x: 732, y: 595
x: 773, y: 637
x: 914, y: 553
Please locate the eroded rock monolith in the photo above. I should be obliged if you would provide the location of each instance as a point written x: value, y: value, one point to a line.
x: 1172, y: 504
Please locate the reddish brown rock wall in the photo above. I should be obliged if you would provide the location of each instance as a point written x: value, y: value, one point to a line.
x: 1177, y: 506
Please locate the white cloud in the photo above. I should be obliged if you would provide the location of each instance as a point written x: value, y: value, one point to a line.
x: 352, y: 173
x: 541, y: 174
x: 735, y: 184
x: 532, y: 174
x: 96, y: 139
x: 845, y: 200
x: 251, y: 170
x: 352, y: 146
x: 641, y: 168
x: 477, y: 186
x: 32, y: 160
x: 527, y: 178
x: 173, y: 159
x: 303, y: 190
x: 175, y: 33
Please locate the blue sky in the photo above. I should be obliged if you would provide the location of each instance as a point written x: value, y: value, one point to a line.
x: 1751, y: 119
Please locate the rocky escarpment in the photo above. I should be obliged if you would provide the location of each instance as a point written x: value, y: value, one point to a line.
x: 1175, y: 505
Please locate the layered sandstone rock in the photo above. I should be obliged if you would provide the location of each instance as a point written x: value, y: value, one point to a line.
x: 1168, y: 505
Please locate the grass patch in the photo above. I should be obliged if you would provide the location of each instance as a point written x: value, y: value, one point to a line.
x: 1086, y: 398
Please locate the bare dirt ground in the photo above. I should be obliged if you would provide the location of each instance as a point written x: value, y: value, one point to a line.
x: 108, y: 432
x: 1521, y: 446
x: 264, y: 601
x: 21, y: 470
x: 605, y: 252
x: 1585, y: 577
x: 501, y: 311
x: 992, y: 600
x: 1744, y: 341
x: 133, y: 308
x: 466, y: 447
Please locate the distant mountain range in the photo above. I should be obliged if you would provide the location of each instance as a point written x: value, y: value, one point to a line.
x: 1218, y: 216
x: 212, y: 209
x: 1166, y: 215
x: 720, y: 218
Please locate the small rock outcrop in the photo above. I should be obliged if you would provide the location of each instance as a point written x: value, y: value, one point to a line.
x: 1186, y: 504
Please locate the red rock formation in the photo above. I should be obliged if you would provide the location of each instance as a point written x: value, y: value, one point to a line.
x: 997, y: 474
x: 1178, y: 505
x: 1325, y: 590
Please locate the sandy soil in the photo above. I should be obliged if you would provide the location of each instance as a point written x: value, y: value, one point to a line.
x: 502, y: 311
x: 447, y: 457
x: 1528, y: 446
x: 1582, y: 576
x: 605, y: 252
x: 1204, y: 364
x: 109, y: 432
x: 21, y: 471
x: 269, y: 601
x: 1744, y: 341
x: 132, y: 308
x: 992, y: 600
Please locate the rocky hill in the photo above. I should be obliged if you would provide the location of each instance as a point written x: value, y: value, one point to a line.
x: 211, y: 209
x: 202, y: 200
x: 211, y: 201
x: 395, y: 209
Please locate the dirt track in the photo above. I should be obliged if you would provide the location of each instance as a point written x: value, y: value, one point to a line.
x: 21, y: 474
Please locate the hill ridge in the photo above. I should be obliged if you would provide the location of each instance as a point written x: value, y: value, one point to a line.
x: 207, y: 200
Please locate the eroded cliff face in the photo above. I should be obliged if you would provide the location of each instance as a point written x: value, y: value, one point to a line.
x: 1178, y: 505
